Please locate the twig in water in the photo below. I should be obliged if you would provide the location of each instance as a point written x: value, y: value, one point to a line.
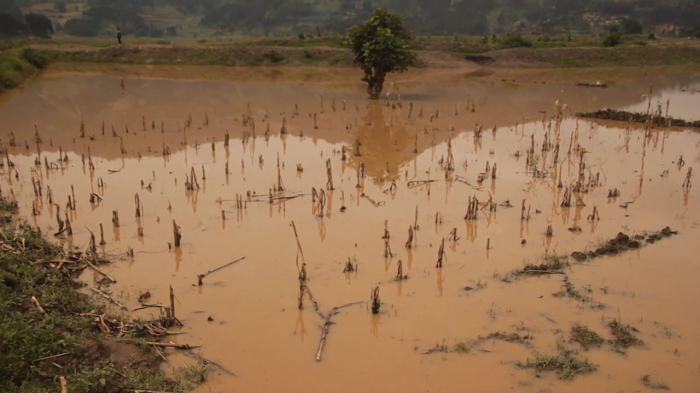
x: 201, y: 276
x: 327, y: 324
x: 104, y: 295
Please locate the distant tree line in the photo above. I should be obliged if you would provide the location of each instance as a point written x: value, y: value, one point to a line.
x: 108, y: 14
x: 14, y: 23
x: 424, y: 17
x: 442, y: 17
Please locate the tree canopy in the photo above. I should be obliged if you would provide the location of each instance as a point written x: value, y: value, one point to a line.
x: 39, y: 25
x: 380, y: 46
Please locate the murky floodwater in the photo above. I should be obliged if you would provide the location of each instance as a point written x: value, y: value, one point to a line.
x: 257, y: 330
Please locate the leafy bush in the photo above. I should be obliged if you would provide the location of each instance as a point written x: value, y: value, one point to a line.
x: 35, y: 58
x: 39, y: 25
x: 515, y: 40
x: 14, y: 69
x: 631, y: 26
x: 10, y: 25
x: 613, y: 39
x: 273, y: 56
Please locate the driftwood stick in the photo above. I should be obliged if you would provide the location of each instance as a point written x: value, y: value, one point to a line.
x: 201, y: 276
x: 145, y: 306
x: 315, y: 303
x: 326, y: 325
x: 38, y: 306
x: 418, y: 183
x: 172, y: 304
x: 299, y: 250
x: 160, y: 354
x: 208, y: 362
x: 51, y: 357
x: 149, y: 391
x: 173, y: 345
x: 54, y: 261
x: 541, y: 272
x: 100, y: 271
x: 106, y: 296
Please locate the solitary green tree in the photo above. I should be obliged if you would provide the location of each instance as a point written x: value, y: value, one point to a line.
x: 380, y: 47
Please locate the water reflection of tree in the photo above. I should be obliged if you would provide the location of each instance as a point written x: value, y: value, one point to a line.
x: 387, y: 143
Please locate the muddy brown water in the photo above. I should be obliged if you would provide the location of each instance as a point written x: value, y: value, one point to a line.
x: 257, y: 330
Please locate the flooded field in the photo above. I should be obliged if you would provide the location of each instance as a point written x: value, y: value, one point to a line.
x: 495, y: 181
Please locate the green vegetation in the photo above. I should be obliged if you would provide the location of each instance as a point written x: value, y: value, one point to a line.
x: 549, y: 264
x: 193, y: 19
x: 47, y: 329
x: 623, y: 336
x: 15, y: 67
x: 380, y: 47
x: 567, y: 364
x: 462, y: 347
x: 14, y: 23
x: 585, y: 337
x: 7, y: 206
x: 514, y: 40
x: 612, y: 39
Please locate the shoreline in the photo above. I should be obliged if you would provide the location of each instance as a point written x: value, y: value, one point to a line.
x: 319, y: 64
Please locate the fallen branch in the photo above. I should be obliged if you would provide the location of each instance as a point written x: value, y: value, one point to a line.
x: 313, y: 300
x: 375, y: 203
x: 173, y: 345
x: 418, y: 183
x: 51, y: 357
x: 326, y: 325
x: 208, y: 362
x: 201, y: 276
x: 160, y: 354
x: 36, y: 303
x: 100, y: 271
x: 299, y: 250
x: 542, y: 272
x: 64, y: 384
x: 149, y: 391
x: 54, y: 261
x: 145, y: 306
x: 104, y: 295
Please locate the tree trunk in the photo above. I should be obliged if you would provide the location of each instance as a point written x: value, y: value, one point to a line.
x: 375, y: 84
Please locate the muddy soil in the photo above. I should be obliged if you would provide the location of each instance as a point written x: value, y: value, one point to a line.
x: 246, y: 316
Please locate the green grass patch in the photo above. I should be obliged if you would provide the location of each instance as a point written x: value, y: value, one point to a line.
x: 567, y: 364
x: 585, y: 337
x: 47, y: 329
x: 624, y: 336
x: 14, y: 69
x: 569, y: 62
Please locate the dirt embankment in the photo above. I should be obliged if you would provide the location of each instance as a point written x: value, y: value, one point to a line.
x: 247, y: 55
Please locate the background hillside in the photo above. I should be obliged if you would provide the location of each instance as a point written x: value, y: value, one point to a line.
x: 203, y: 18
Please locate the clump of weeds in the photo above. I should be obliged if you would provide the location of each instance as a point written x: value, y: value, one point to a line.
x: 549, y: 264
x: 462, y: 347
x: 623, y: 336
x: 567, y: 364
x: 569, y: 290
x: 585, y: 337
x: 646, y: 381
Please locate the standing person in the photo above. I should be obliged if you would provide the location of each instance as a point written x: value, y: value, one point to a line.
x: 119, y: 35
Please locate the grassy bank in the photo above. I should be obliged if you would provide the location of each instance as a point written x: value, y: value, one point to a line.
x: 260, y: 55
x: 17, y: 66
x: 49, y: 334
x: 21, y: 58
